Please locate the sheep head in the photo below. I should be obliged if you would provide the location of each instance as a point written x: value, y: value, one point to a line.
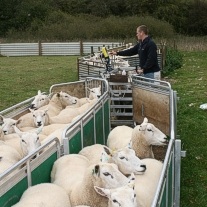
x: 122, y: 196
x: 126, y: 160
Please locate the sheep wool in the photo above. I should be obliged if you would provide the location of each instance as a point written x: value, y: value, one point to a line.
x: 45, y: 194
x: 104, y: 175
x: 146, y: 184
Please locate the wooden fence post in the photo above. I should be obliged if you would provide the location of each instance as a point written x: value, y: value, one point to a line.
x: 40, y: 48
x: 81, y: 47
x: 92, y: 50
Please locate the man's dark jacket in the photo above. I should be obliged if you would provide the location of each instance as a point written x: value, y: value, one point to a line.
x: 147, y: 51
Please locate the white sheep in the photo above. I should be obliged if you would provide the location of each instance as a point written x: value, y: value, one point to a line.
x: 125, y: 158
x: 79, y: 180
x: 65, y: 116
x: 8, y: 124
x: 71, y: 163
x: 104, y: 175
x: 58, y: 102
x: 40, y: 100
x: 142, y: 138
x: 94, y: 93
x: 124, y: 196
x: 8, y: 157
x: 47, y: 130
x: 26, y: 143
x: 82, y: 206
x: 146, y: 184
x: 44, y: 195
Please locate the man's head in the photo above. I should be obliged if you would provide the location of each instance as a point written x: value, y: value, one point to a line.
x: 142, y: 32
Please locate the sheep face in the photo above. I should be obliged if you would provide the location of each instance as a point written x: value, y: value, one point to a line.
x: 8, y: 125
x: 95, y: 92
x: 29, y: 142
x: 39, y: 101
x: 108, y: 175
x: 40, y: 117
x: 128, y: 162
x: 66, y: 99
x: 152, y: 134
x: 124, y: 196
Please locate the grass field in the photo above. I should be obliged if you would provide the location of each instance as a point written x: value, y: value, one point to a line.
x: 21, y: 78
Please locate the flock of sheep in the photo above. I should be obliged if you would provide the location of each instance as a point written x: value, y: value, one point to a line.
x: 96, y: 60
x: 122, y: 174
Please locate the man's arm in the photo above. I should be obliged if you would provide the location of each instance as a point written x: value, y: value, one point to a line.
x: 129, y: 52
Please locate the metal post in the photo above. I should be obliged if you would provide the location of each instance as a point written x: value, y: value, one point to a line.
x: 177, y: 172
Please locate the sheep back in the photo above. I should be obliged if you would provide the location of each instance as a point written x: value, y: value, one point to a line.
x: 119, y: 137
x: 45, y: 194
x: 146, y: 184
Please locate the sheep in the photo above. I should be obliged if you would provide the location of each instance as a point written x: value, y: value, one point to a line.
x: 124, y: 196
x: 65, y: 116
x: 45, y: 195
x: 73, y: 163
x: 58, y: 102
x: 125, y: 158
x: 146, y: 184
x: 78, y: 179
x: 8, y: 157
x: 9, y: 153
x: 102, y: 175
x: 40, y: 100
x: 47, y: 130
x: 142, y: 138
x: 8, y: 124
x: 81, y: 206
x: 94, y: 93
x: 26, y: 143
x: 68, y: 114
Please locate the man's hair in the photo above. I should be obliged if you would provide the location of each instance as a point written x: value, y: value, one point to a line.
x: 144, y: 29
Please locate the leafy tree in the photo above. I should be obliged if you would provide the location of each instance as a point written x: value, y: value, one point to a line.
x: 7, y: 14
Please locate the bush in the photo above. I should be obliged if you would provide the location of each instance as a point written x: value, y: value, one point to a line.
x: 173, y: 61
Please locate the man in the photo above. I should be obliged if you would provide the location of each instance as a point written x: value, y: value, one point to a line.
x: 147, y: 51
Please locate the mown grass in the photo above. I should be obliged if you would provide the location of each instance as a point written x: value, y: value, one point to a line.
x: 21, y: 78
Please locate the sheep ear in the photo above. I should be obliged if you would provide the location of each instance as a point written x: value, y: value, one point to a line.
x: 39, y: 130
x: 145, y: 120
x: 129, y: 145
x: 102, y: 191
x: 131, y: 182
x: 88, y: 89
x: 107, y: 150
x: 50, y: 95
x: 1, y: 118
x: 31, y: 110
x: 20, y: 133
x: 39, y: 92
x: 104, y: 157
x: 46, y: 110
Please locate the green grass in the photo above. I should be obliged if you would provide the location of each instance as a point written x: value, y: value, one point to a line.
x: 191, y: 82
x: 21, y: 77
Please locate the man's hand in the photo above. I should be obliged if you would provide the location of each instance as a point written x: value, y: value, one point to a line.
x: 113, y: 53
x: 140, y: 71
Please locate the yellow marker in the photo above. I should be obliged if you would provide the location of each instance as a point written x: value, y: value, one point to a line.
x: 104, y: 52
